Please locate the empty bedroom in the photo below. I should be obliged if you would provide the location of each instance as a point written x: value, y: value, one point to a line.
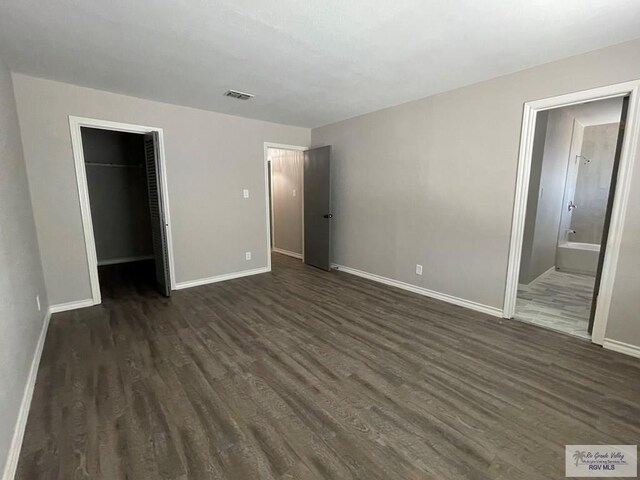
x: 319, y: 240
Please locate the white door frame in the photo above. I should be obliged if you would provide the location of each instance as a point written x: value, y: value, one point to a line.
x: 269, y: 200
x: 627, y: 158
x: 75, y: 124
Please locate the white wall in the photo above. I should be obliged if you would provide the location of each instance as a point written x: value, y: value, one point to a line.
x: 286, y: 182
x: 433, y: 182
x: 20, y: 271
x: 210, y: 159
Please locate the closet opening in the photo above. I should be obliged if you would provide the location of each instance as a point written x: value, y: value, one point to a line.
x: 124, y: 210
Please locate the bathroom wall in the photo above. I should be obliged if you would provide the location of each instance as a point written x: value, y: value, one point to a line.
x: 593, y: 182
x: 546, y: 194
x: 540, y: 134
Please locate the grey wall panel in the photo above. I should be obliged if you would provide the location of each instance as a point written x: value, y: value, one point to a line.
x: 21, y: 278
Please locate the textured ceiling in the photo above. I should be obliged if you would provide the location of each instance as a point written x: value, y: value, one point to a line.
x: 309, y: 63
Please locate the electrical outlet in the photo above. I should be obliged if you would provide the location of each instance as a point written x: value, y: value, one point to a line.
x: 418, y: 269
x: 245, y: 193
x: 247, y: 255
x: 38, y: 302
x: 294, y: 192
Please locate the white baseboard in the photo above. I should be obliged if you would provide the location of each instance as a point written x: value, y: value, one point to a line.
x: 287, y: 252
x: 621, y: 347
x: 542, y: 276
x: 479, y: 307
x: 221, y: 278
x: 114, y: 261
x: 577, y: 271
x: 63, y: 307
x: 21, y: 423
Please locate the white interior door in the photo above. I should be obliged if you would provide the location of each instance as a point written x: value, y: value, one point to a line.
x: 158, y: 217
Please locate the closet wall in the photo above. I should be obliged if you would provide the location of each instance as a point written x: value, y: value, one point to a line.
x: 118, y: 194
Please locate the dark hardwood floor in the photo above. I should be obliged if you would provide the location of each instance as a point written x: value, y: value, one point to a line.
x: 301, y: 373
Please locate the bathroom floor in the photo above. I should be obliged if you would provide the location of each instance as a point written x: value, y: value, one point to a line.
x: 557, y: 300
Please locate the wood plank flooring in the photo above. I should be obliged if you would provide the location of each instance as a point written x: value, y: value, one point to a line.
x: 305, y: 374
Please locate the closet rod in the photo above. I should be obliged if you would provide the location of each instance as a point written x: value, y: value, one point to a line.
x: 117, y: 165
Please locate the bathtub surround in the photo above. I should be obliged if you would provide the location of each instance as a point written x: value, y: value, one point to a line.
x: 593, y: 182
x: 575, y: 257
x: 588, y: 181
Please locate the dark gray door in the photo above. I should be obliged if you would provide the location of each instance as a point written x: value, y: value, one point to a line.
x: 156, y: 209
x: 607, y: 216
x: 317, y: 207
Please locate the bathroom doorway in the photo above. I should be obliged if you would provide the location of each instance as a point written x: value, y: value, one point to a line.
x: 574, y: 166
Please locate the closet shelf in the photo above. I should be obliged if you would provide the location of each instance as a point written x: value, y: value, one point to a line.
x: 115, y: 165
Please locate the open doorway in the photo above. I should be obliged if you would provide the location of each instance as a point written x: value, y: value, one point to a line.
x: 299, y: 215
x: 576, y: 157
x: 573, y: 165
x: 123, y: 200
x: 286, y: 201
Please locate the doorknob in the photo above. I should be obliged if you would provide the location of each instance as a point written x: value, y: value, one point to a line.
x: 572, y: 206
x: 328, y: 215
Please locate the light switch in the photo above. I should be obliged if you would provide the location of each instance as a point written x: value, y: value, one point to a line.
x: 245, y: 193
x: 294, y: 192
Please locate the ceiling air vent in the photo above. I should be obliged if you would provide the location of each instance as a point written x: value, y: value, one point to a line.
x: 238, y: 95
